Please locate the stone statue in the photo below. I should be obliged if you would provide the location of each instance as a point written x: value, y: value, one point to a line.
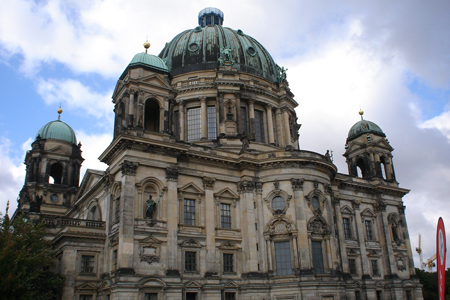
x: 35, y: 206
x: 282, y: 76
x: 245, y: 142
x: 151, y: 205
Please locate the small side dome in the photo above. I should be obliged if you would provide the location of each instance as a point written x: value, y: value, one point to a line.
x: 57, y: 130
x: 148, y: 60
x: 362, y: 127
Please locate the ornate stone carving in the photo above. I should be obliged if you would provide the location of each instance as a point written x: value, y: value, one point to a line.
x: 129, y: 167
x: 246, y: 186
x: 316, y: 184
x: 208, y: 182
x: 172, y: 173
x: 297, y: 184
x: 356, y: 204
x: 276, y: 184
x: 318, y: 226
x: 380, y: 206
x: 258, y: 187
x: 401, y: 209
x: 149, y: 258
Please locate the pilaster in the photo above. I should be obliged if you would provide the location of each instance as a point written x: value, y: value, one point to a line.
x: 211, y: 263
x: 172, y: 221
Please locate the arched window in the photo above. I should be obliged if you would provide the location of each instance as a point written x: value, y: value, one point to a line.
x: 56, y: 171
x: 151, y: 117
x: 361, y: 168
x: 383, y: 163
x: 94, y: 214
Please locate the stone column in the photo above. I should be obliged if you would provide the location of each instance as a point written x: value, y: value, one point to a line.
x: 365, y: 267
x: 303, y: 239
x: 389, y: 262
x: 341, y: 236
x: 270, y: 124
x: 246, y: 189
x: 131, y: 108
x: 280, y: 130
x: 252, y: 119
x: 181, y: 113
x: 162, y: 112
x: 172, y: 221
x: 287, y: 129
x: 211, y: 263
x: 165, y: 115
x: 204, y: 118
x: 269, y: 253
x: 237, y: 97
x: 221, y: 115
x: 126, y: 222
x: 405, y: 234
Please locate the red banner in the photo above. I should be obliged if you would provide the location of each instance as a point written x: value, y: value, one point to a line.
x: 441, y: 252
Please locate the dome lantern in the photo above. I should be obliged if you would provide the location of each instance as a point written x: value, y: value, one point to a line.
x: 210, y: 16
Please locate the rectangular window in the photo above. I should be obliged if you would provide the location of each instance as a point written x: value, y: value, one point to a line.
x: 191, y: 296
x: 379, y: 296
x: 244, y: 120
x: 190, y: 261
x: 85, y: 297
x: 352, y: 266
x: 283, y: 258
x: 87, y: 264
x: 228, y: 263
x: 117, y: 216
x: 115, y: 260
x: 369, y: 234
x: 259, y: 126
x: 409, y: 295
x: 225, y: 215
x: 194, y: 124
x: 212, y: 132
x: 189, y: 212
x: 375, y: 267
x: 317, y: 257
x: 151, y: 296
x: 230, y: 296
x: 347, y: 231
x: 357, y: 295
x: 176, y: 124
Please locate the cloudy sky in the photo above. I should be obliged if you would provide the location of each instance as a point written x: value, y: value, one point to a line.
x: 389, y: 58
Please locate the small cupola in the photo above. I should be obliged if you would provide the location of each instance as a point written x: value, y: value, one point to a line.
x: 210, y: 16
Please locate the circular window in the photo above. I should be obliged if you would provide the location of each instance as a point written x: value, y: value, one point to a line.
x: 193, y: 47
x: 315, y: 203
x: 251, y: 51
x: 240, y: 32
x: 54, y: 198
x: 278, y: 203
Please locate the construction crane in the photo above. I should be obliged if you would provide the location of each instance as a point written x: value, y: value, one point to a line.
x: 430, y: 262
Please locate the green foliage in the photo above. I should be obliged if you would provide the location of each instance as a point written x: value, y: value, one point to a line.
x: 429, y: 280
x: 25, y: 259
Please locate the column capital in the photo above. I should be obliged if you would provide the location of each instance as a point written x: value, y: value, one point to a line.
x: 246, y: 186
x: 129, y: 167
x: 180, y: 101
x: 208, y: 182
x: 172, y: 173
x: 268, y: 106
x: 202, y: 99
x: 297, y: 184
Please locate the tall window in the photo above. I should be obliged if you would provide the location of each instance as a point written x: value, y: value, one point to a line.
x: 56, y: 171
x: 283, y: 258
x: 375, y: 270
x: 115, y: 260
x: 228, y: 263
x: 176, y: 124
x: 244, y: 120
x: 369, y: 233
x: 347, y: 231
x: 212, y: 132
x: 230, y: 296
x: 357, y: 295
x: 191, y: 296
x: 352, y: 266
x: 190, y: 261
x: 225, y: 215
x: 151, y: 296
x: 87, y: 264
x: 189, y: 212
x: 194, y: 124
x: 151, y: 117
x: 117, y: 211
x: 317, y: 257
x: 259, y: 126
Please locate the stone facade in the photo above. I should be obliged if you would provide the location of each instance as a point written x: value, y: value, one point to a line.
x: 237, y: 210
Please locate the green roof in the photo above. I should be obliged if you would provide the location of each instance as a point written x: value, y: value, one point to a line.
x: 362, y: 127
x: 148, y: 60
x: 57, y: 130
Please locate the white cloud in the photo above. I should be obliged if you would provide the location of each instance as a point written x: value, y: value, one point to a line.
x: 73, y: 94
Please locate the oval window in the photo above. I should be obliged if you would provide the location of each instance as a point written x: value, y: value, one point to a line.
x: 315, y: 203
x: 251, y: 51
x: 278, y: 203
x: 193, y: 47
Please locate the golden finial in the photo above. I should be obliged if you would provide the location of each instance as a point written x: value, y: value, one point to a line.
x: 361, y: 112
x: 146, y: 45
x: 59, y: 111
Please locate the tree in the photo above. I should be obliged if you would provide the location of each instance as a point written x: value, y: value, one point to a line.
x: 25, y: 261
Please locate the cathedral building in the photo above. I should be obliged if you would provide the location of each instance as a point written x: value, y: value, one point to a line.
x: 207, y: 194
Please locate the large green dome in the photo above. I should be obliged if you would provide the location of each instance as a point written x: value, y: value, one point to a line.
x: 363, y: 127
x: 57, y: 130
x: 200, y: 48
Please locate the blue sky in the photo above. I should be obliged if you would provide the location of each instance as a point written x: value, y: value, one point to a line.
x: 389, y: 58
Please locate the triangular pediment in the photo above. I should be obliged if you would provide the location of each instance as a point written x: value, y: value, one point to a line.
x: 226, y: 193
x: 231, y: 284
x: 193, y: 284
x: 346, y: 210
x: 155, y: 80
x: 86, y: 286
x: 150, y: 240
x: 190, y: 188
x: 368, y: 213
x: 90, y: 178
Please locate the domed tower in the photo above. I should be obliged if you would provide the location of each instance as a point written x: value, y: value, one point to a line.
x: 368, y: 152
x: 52, y: 170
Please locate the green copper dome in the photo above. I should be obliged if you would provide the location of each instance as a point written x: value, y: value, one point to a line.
x: 362, y: 127
x: 204, y: 48
x: 57, y: 130
x: 148, y: 60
